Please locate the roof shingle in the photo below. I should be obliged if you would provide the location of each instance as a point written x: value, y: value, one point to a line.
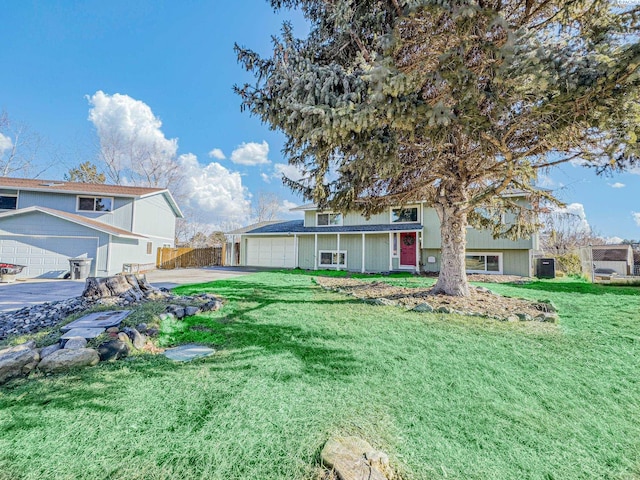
x: 75, y: 187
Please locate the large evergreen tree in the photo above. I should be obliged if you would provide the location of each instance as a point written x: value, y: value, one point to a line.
x: 458, y: 103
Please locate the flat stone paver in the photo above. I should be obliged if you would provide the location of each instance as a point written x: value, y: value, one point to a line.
x: 98, y: 320
x: 83, y: 332
x: 186, y: 353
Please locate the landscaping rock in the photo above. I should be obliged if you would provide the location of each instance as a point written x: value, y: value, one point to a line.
x: 113, y: 330
x: 152, y: 332
x: 524, y: 317
x: 176, y: 310
x: 211, y: 306
x: 190, y: 311
x: 352, y: 458
x: 423, y: 307
x: 113, y: 350
x: 17, y: 361
x: 74, y: 343
x: 46, y: 351
x: 141, y: 327
x: 547, y: 317
x: 136, y: 337
x: 123, y: 337
x: 64, y: 359
x: 444, y: 310
x: 38, y: 317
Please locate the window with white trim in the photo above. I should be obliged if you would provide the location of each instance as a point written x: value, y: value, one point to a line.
x: 8, y: 202
x: 328, y: 219
x: 483, y: 262
x: 404, y: 215
x: 95, y: 204
x: 333, y: 258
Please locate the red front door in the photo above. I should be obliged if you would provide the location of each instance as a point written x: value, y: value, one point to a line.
x: 408, y: 249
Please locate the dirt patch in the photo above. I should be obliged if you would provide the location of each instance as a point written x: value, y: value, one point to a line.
x: 481, y: 302
x: 490, y: 278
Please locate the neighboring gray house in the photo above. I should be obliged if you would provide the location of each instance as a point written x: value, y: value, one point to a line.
x: 44, y: 223
x: 399, y: 238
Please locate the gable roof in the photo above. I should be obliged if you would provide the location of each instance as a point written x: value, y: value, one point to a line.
x: 78, y: 219
x: 78, y: 188
x: 297, y: 226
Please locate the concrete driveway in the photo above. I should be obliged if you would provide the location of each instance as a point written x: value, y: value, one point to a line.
x: 20, y: 294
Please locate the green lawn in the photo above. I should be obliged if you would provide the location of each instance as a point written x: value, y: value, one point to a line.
x: 444, y: 396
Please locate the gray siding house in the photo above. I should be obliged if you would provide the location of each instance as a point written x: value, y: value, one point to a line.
x: 399, y: 238
x: 44, y: 223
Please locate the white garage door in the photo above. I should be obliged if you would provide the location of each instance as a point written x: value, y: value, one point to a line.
x: 45, y: 257
x: 271, y: 252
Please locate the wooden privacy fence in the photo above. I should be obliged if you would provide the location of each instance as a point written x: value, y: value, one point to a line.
x: 169, y: 258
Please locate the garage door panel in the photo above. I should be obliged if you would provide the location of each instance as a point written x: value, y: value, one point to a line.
x: 45, y: 257
x: 271, y: 252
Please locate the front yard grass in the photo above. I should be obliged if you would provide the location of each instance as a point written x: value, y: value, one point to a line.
x: 445, y: 396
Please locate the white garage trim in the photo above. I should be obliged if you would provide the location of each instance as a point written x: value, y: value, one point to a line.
x: 19, y: 238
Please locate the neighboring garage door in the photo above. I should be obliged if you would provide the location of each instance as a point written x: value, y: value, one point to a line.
x: 271, y: 252
x: 45, y: 257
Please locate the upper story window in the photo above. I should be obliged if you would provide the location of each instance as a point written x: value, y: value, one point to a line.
x: 404, y: 215
x: 95, y: 204
x: 8, y: 202
x: 328, y: 219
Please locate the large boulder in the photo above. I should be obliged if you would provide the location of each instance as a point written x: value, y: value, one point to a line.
x: 353, y: 458
x: 17, y: 361
x: 75, y: 343
x: 64, y: 359
x: 46, y: 351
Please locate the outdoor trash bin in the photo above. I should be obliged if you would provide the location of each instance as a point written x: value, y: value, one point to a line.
x: 8, y: 272
x: 80, y: 268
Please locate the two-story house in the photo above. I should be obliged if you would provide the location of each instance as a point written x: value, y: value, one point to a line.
x: 401, y: 238
x: 44, y: 223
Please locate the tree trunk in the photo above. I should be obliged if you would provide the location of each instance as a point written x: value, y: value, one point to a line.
x: 453, y: 227
x: 116, y: 285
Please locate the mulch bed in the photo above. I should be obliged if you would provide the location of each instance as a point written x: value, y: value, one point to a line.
x: 481, y: 302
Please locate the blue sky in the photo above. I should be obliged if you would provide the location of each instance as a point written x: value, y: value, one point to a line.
x: 176, y: 60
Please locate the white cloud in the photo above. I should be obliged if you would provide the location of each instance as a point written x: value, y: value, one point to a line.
x: 131, y: 139
x: 120, y: 117
x: 251, y: 154
x: 215, y: 193
x: 576, y: 209
x: 285, y: 170
x: 287, y: 205
x: 266, y: 178
x: 217, y: 154
x: 613, y: 240
x: 132, y: 132
x: 5, y: 143
x: 636, y: 217
x: 617, y: 185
